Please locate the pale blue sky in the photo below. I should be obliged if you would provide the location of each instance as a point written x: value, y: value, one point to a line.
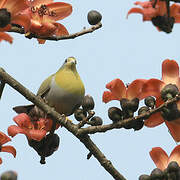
x: 125, y: 49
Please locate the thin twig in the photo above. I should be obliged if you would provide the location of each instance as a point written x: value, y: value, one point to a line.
x: 88, y: 143
x: 120, y: 124
x: 2, y: 85
x: 57, y: 38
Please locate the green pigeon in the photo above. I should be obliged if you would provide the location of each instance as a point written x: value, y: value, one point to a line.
x: 64, y: 90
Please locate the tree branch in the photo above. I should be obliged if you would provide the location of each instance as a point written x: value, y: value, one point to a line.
x: 85, y: 139
x: 120, y: 124
x: 57, y: 38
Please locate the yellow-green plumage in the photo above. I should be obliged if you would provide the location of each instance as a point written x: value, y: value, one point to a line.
x: 64, y: 90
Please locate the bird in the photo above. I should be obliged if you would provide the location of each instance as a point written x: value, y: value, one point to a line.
x: 63, y: 90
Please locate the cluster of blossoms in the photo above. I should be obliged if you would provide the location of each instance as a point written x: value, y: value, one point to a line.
x: 155, y: 92
x: 35, y: 16
x: 159, y: 12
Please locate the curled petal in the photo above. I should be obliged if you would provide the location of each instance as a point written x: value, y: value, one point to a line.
x: 135, y: 10
x: 22, y: 120
x: 9, y: 149
x: 61, y: 30
x: 117, y: 88
x: 134, y: 90
x: 60, y: 9
x: 6, y: 37
x: 145, y: 4
x: 16, y: 6
x: 174, y: 129
x: 175, y: 155
x: 4, y: 138
x: 160, y: 157
x: 13, y: 130
x: 39, y: 2
x: 175, y: 10
x: 154, y: 120
x: 41, y: 41
x: 22, y: 20
x: 170, y: 72
x: 108, y: 96
x: 152, y: 87
x: 2, y: 2
x: 36, y: 134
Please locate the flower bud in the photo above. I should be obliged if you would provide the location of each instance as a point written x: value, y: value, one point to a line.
x: 150, y: 101
x: 157, y: 174
x: 5, y: 17
x: 131, y: 105
x: 94, y: 17
x: 169, y: 92
x: 95, y: 121
x: 144, y: 177
x: 173, y: 167
x: 9, y: 175
x: 79, y: 114
x: 88, y: 103
x: 138, y: 124
x: 115, y: 114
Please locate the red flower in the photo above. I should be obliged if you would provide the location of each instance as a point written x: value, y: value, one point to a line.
x: 15, y: 8
x: 44, y: 15
x: 6, y: 37
x: 158, y: 14
x: 33, y: 130
x: 153, y: 87
x: 118, y: 90
x: 4, y: 139
x: 161, y: 159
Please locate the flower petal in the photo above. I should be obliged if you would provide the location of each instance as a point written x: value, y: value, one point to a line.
x: 60, y: 9
x: 0, y: 161
x: 175, y: 12
x: 2, y: 2
x: 145, y: 4
x: 117, y: 88
x: 22, y: 120
x: 175, y: 155
x: 152, y: 87
x: 16, y: 6
x: 9, y: 149
x: 174, y: 129
x: 160, y: 157
x: 135, y: 10
x: 135, y: 88
x: 108, y: 96
x: 13, y: 130
x: 22, y: 20
x: 41, y: 41
x: 154, y: 120
x: 4, y: 138
x: 36, y: 134
x: 61, y: 30
x: 41, y: 2
x: 170, y: 72
x: 6, y: 37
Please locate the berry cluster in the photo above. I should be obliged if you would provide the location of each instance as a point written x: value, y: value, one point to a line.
x: 172, y: 172
x: 86, y: 114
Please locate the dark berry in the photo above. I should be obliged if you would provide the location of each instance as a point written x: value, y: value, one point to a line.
x: 157, y: 174
x: 138, y: 124
x: 131, y: 105
x: 5, y: 17
x: 88, y: 103
x: 115, y: 114
x: 144, y: 177
x: 169, y: 92
x: 95, y: 121
x: 79, y: 114
x: 94, y: 17
x: 173, y: 167
x: 150, y: 101
x: 9, y: 175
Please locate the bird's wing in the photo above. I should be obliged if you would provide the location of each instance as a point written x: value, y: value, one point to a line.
x: 45, y: 87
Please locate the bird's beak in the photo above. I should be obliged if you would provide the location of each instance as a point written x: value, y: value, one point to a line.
x: 73, y: 61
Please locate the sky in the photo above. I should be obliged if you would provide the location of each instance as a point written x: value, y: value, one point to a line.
x: 123, y: 48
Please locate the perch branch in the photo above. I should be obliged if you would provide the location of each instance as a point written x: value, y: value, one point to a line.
x: 85, y: 139
x: 57, y: 38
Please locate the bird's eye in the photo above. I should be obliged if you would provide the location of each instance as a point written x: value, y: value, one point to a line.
x: 66, y: 61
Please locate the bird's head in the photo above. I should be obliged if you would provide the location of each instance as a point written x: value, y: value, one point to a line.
x: 70, y: 62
